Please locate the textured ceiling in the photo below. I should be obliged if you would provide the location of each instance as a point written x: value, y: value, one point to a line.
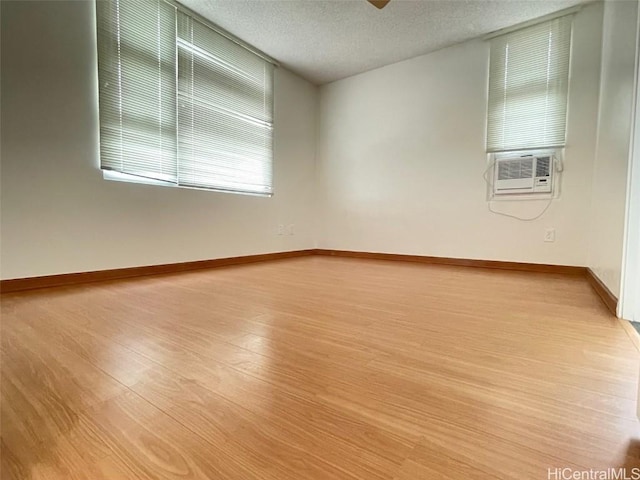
x: 325, y: 40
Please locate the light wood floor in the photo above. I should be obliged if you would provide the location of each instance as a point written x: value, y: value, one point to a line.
x: 316, y: 368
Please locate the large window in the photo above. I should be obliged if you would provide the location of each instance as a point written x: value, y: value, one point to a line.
x: 528, y: 82
x: 180, y: 102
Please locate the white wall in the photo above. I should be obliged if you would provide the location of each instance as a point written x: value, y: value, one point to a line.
x: 613, y: 140
x: 58, y: 215
x: 401, y: 158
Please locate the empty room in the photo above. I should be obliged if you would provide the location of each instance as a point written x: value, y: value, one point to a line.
x: 320, y: 239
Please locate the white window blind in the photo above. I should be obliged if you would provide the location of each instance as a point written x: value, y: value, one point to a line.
x: 225, y: 114
x: 528, y: 83
x: 180, y: 102
x: 136, y: 65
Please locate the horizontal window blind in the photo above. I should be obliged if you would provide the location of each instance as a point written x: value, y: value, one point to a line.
x: 180, y: 102
x: 225, y: 112
x: 136, y: 64
x: 528, y: 84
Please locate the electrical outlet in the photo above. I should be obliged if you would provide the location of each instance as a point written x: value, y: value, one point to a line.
x: 290, y: 230
x: 280, y: 230
x: 550, y: 235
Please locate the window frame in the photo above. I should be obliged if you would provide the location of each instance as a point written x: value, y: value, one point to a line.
x: 559, y: 149
x: 113, y: 174
x: 557, y: 152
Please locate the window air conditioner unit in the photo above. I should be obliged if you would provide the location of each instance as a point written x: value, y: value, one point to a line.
x: 523, y: 175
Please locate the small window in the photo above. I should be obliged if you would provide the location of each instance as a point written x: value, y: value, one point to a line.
x: 180, y: 102
x: 528, y: 84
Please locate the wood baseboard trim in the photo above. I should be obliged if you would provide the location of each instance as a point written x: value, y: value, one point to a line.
x: 65, y: 279
x: 608, y: 298
x: 631, y: 332
x: 460, y: 262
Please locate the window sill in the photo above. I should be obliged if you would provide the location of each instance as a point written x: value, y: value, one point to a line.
x: 124, y: 177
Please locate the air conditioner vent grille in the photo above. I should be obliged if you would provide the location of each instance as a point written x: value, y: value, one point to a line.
x: 542, y: 166
x: 515, y: 169
x: 524, y: 174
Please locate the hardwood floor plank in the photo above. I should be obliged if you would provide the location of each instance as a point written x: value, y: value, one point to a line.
x: 293, y: 450
x: 318, y: 368
x: 39, y: 366
x: 148, y: 444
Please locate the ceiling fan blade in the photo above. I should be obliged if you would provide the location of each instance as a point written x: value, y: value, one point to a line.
x: 378, y: 3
